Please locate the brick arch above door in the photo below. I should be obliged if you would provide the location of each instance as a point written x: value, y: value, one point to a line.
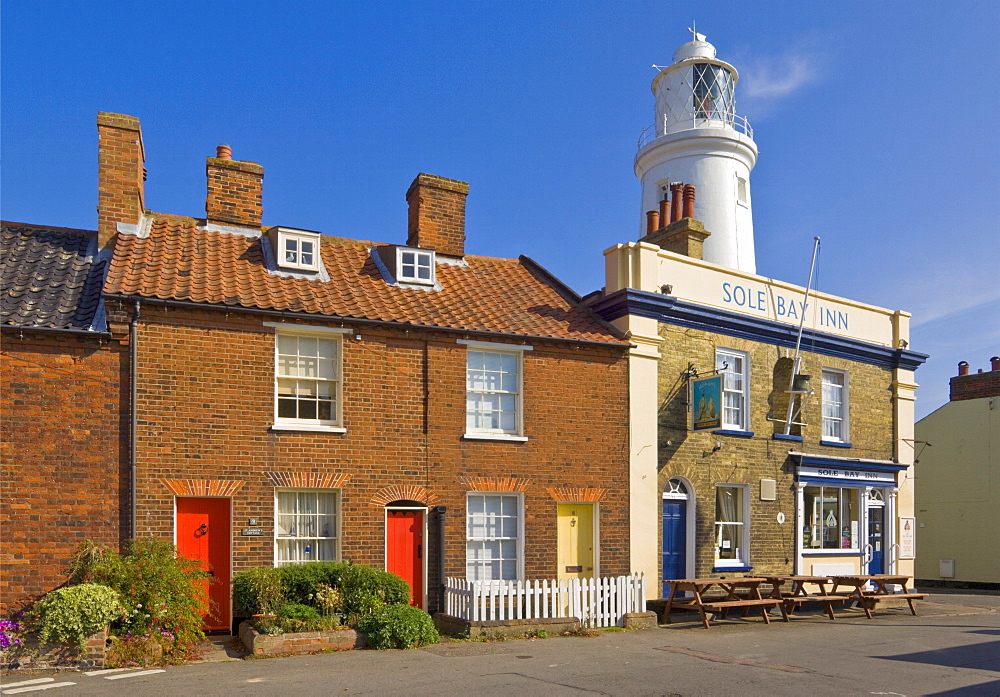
x: 203, y: 487
x: 404, y: 492
x: 308, y: 480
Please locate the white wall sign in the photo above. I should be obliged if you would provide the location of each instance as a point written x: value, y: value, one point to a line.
x: 907, y: 538
x: 856, y: 475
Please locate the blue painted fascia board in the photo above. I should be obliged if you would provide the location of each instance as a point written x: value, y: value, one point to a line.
x: 671, y: 310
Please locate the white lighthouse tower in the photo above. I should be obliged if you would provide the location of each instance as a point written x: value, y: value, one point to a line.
x: 698, y: 139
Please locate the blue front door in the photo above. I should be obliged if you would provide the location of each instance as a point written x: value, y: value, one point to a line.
x: 876, y: 529
x: 674, y: 541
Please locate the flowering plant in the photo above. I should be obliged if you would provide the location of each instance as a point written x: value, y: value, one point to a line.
x: 9, y: 631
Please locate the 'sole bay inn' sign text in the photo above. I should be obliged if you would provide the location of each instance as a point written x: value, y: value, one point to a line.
x: 770, y: 303
x: 848, y: 473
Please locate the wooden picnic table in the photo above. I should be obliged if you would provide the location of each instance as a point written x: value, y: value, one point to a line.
x: 798, y: 594
x: 741, y: 593
x: 869, y: 598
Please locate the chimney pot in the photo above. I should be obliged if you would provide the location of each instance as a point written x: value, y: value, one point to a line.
x: 963, y: 368
x: 689, y: 201
x: 664, y: 212
x: 676, y: 195
x: 652, y: 221
x: 223, y: 152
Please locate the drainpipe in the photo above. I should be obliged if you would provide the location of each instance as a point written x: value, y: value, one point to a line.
x: 441, y: 511
x: 133, y: 411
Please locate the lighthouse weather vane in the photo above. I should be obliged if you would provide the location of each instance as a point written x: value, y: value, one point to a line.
x: 694, y: 32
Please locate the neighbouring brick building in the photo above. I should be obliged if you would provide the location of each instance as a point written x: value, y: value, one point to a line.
x: 755, y: 449
x: 301, y: 396
x: 64, y: 474
x: 958, y: 484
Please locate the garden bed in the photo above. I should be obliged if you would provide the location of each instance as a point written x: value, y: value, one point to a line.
x: 259, y: 644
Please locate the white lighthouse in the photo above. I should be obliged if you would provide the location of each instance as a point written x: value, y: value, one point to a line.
x: 697, y: 138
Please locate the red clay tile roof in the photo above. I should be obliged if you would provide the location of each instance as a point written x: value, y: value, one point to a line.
x: 180, y: 261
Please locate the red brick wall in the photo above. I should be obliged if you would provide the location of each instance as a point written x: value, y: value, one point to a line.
x: 64, y: 475
x: 206, y: 406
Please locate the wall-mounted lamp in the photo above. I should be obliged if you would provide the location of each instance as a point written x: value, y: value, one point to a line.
x: 717, y: 447
x: 666, y: 289
x: 357, y: 337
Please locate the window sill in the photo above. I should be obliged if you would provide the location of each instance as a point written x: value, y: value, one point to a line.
x: 831, y: 552
x: 495, y: 436
x: 836, y: 444
x: 317, y: 428
x: 731, y: 432
x: 782, y: 436
x: 731, y: 568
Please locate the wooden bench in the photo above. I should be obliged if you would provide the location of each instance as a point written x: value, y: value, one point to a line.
x: 828, y: 600
x: 723, y: 606
x: 872, y: 600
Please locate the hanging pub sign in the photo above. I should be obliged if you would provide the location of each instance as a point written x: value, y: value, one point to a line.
x: 706, y: 403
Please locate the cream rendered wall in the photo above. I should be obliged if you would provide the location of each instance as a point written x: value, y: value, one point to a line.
x: 958, y: 491
x: 634, y: 266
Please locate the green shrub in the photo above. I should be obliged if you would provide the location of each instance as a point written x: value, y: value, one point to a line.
x: 298, y: 611
x: 74, y: 613
x: 300, y: 581
x: 163, y: 594
x: 399, y: 627
x: 259, y: 591
x: 364, y: 589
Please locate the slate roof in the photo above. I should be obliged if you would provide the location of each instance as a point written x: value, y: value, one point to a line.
x: 50, y: 277
x: 181, y: 261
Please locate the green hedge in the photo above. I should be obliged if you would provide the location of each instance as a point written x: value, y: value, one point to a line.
x: 399, y: 627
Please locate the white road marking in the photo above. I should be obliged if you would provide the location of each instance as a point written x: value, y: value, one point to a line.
x: 27, y: 682
x: 108, y: 671
x: 35, y: 688
x: 135, y: 675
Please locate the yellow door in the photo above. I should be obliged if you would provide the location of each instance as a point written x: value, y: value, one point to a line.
x: 576, y: 540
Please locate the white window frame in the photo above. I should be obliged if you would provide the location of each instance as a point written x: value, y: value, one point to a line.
x: 721, y: 356
x: 844, y: 412
x: 517, y: 432
x: 518, y: 498
x: 336, y: 424
x: 337, y: 524
x: 743, y: 556
x: 284, y: 237
x: 420, y: 255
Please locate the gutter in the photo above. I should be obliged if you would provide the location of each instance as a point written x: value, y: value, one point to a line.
x: 282, y: 314
x: 61, y: 330
x: 133, y: 411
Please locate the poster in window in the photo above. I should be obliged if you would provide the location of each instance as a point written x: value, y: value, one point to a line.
x: 907, y: 542
x: 706, y: 401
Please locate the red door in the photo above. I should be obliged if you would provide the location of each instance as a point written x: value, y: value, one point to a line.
x: 404, y: 532
x: 203, y: 534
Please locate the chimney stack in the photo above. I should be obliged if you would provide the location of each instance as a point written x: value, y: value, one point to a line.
x: 437, y: 214
x: 978, y: 385
x: 120, y: 174
x: 235, y: 190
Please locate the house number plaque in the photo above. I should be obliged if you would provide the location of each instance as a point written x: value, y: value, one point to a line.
x: 252, y: 531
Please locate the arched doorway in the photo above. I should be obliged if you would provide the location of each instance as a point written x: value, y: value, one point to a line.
x: 678, y: 529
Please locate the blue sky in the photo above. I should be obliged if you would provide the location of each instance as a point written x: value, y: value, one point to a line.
x: 877, y: 124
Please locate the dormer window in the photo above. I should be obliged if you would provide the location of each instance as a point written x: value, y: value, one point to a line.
x: 296, y: 249
x: 406, y: 266
x: 414, y: 266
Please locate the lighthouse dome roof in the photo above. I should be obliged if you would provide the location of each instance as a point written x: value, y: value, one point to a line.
x: 694, y: 49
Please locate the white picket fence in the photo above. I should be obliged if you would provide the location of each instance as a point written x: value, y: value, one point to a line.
x: 597, y: 602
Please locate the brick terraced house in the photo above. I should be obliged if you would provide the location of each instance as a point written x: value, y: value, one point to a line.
x: 63, y: 476
x: 300, y: 396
